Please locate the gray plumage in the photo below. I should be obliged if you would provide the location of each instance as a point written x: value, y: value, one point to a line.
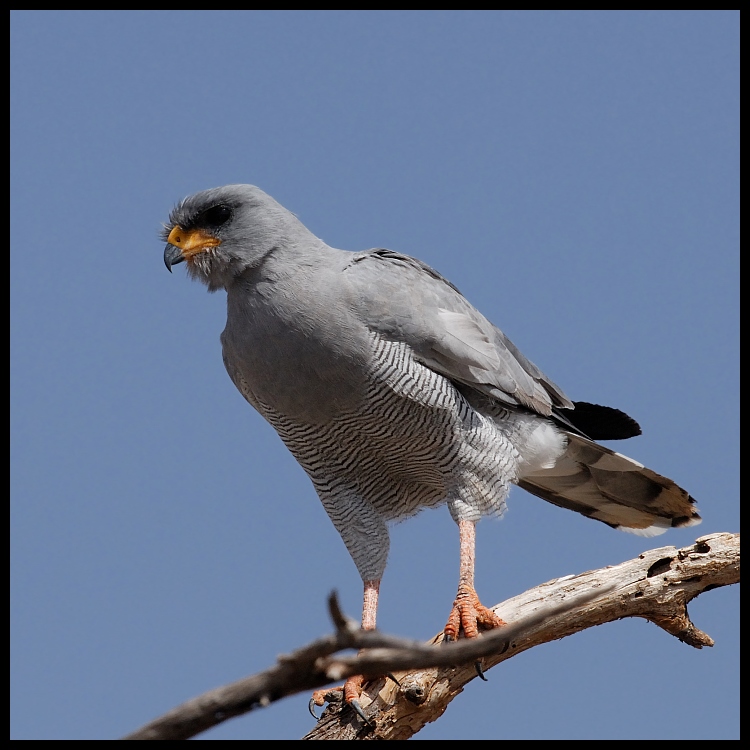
x: 391, y: 390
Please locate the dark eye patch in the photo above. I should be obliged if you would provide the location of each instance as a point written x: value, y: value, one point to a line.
x: 216, y: 216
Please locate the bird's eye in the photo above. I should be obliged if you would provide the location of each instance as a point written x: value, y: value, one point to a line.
x: 216, y: 216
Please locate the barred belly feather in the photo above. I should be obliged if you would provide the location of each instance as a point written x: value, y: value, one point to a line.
x: 418, y: 443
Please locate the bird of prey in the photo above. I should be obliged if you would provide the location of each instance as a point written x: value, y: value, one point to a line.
x: 395, y: 394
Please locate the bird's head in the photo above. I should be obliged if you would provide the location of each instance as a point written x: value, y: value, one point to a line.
x: 222, y: 232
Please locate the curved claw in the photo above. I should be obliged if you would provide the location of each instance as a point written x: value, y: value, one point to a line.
x: 391, y: 677
x: 480, y: 672
x: 311, y: 708
x: 360, y: 712
x: 321, y: 697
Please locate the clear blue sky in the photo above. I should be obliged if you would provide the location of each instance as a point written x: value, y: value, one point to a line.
x: 575, y: 174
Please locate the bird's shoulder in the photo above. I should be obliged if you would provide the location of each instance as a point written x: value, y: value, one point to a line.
x: 381, y: 261
x: 406, y: 300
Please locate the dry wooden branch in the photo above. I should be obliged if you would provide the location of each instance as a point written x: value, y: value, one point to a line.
x: 657, y: 586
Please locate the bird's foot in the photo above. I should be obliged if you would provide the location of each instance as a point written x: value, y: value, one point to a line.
x: 351, y: 689
x: 469, y: 616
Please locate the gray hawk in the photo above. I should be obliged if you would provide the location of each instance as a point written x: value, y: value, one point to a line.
x: 395, y: 394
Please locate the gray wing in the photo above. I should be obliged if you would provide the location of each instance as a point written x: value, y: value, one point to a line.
x: 404, y: 299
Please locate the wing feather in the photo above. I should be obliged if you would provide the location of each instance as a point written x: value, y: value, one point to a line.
x: 403, y: 298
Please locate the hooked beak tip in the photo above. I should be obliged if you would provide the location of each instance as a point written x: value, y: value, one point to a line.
x: 172, y: 256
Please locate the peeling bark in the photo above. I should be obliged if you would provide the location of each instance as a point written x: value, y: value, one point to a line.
x: 657, y: 585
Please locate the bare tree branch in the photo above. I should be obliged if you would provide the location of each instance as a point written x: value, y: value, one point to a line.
x: 657, y: 586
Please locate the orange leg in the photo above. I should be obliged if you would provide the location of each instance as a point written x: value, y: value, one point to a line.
x: 353, y: 686
x: 468, y: 615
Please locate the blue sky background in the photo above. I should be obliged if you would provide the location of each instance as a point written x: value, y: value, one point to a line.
x: 575, y: 174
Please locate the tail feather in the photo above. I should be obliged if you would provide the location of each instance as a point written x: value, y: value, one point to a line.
x: 609, y: 487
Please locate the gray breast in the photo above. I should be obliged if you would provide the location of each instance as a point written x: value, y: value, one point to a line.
x: 415, y: 442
